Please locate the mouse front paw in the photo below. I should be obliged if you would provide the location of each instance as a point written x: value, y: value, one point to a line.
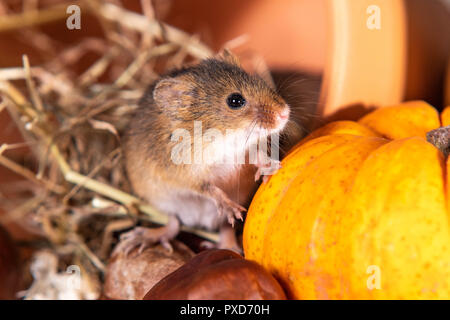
x: 233, y: 212
x: 225, y: 206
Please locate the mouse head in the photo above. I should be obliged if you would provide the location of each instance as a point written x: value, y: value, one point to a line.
x: 223, y: 96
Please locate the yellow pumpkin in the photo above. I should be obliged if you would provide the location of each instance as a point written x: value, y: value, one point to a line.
x: 359, y: 210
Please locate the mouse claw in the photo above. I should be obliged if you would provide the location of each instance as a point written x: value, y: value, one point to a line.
x: 231, y: 220
x: 234, y: 213
x: 267, y: 170
x: 258, y: 174
x: 224, y: 204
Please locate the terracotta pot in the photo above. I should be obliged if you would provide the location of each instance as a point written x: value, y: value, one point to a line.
x: 366, y: 57
x: 362, y: 67
x: 289, y: 34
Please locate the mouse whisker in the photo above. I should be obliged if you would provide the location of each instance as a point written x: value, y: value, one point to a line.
x: 254, y: 122
x: 252, y: 126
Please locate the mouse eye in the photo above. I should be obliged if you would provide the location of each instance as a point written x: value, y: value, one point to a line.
x: 236, y: 101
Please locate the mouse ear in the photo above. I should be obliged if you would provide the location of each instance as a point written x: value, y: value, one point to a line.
x: 171, y: 92
x: 227, y: 56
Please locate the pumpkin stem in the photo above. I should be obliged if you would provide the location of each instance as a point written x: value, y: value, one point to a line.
x: 440, y: 138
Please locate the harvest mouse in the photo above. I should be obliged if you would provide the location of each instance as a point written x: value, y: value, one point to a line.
x: 216, y: 94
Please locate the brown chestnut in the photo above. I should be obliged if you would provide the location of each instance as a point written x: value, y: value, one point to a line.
x: 218, y: 274
x: 131, y: 276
